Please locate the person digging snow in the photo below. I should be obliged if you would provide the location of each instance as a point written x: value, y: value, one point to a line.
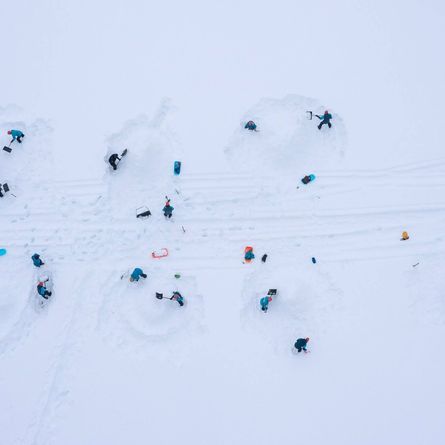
x: 36, y: 260
x: 301, y: 344
x: 17, y: 135
x: 177, y: 297
x: 251, y: 125
x: 42, y: 290
x: 136, y: 274
x: 114, y: 160
x: 264, y: 302
x: 325, y: 119
x: 249, y: 255
x: 168, y: 210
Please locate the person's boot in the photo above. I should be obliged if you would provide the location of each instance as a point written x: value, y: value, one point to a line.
x: 320, y: 125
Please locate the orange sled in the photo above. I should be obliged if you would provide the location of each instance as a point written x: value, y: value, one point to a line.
x: 160, y: 253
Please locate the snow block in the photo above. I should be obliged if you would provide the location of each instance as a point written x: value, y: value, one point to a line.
x: 177, y: 167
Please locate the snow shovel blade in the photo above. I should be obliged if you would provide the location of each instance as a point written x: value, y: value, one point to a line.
x: 159, y: 296
x: 7, y: 149
x: 124, y: 153
x: 309, y: 115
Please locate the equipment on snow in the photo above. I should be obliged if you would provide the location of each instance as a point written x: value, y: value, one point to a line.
x: 264, y: 258
x: 314, y: 260
x: 177, y: 275
x: 414, y: 265
x: 7, y: 148
x: 159, y: 296
x: 308, y: 179
x: 4, y: 188
x: 248, y: 254
x: 309, y: 115
x: 177, y: 167
x: 183, y: 229
x: 405, y: 236
x: 142, y: 212
x: 160, y: 253
x: 3, y: 252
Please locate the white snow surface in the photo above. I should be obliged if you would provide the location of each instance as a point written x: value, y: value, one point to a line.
x: 104, y: 361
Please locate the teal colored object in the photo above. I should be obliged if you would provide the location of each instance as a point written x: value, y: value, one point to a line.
x: 3, y: 252
x: 312, y: 177
x: 177, y: 168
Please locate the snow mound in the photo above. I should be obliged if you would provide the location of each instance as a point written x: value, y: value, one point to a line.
x: 286, y: 140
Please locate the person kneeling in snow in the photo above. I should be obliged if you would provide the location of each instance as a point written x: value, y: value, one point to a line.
x: 36, y: 260
x: 136, y: 274
x: 16, y: 135
x: 168, y: 210
x: 177, y: 297
x: 325, y: 119
x: 301, y: 344
x: 251, y: 125
x: 113, y: 160
x: 42, y: 290
x: 264, y: 302
x: 307, y: 179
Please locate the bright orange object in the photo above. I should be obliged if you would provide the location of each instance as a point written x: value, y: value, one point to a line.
x: 405, y: 236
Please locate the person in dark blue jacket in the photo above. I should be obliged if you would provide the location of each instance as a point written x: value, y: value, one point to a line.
x: 136, y: 274
x: 168, y: 210
x: 301, y: 344
x: 264, y: 302
x: 36, y: 260
x: 42, y: 290
x: 17, y: 135
x: 177, y: 297
x: 325, y: 119
x: 251, y: 125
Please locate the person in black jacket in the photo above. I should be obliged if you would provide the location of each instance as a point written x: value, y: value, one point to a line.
x: 114, y: 160
x: 301, y: 344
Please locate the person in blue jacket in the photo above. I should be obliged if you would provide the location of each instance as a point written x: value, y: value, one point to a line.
x: 136, y: 274
x: 17, y: 135
x: 301, y: 344
x: 168, y: 210
x: 264, y: 302
x: 42, y: 290
x: 177, y: 297
x: 325, y: 119
x: 251, y: 125
x: 36, y: 260
x: 249, y: 255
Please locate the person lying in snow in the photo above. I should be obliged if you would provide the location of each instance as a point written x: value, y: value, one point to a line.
x: 301, y: 344
x: 325, y: 119
x: 42, y: 290
x: 136, y: 274
x: 17, y: 135
x: 178, y: 297
x: 308, y: 179
x: 114, y: 160
x: 36, y: 260
x: 264, y: 302
x: 250, y: 126
x: 168, y: 210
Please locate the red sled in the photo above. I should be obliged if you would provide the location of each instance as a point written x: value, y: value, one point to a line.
x: 160, y: 253
x: 247, y: 250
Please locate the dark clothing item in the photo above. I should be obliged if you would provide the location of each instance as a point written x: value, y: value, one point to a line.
x: 19, y: 139
x: 113, y: 160
x: 250, y: 126
x: 36, y: 260
x: 325, y: 119
x: 264, y: 258
x: 301, y: 344
x: 178, y: 297
x: 168, y: 210
x: 42, y: 291
x: 322, y: 123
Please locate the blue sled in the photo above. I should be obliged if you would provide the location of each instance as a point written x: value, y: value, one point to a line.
x: 177, y: 168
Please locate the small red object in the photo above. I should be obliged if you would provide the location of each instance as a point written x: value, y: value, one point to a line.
x: 160, y: 254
